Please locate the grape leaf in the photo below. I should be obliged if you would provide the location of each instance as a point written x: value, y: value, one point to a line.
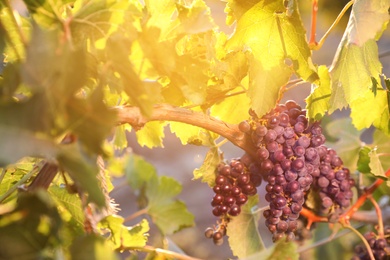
x: 189, y: 134
x: 272, y: 37
x: 71, y: 204
x: 356, y: 66
x: 378, y: 111
x: 233, y: 109
x: 120, y: 137
x: 83, y: 171
x: 368, y: 20
x: 92, y: 246
x: 170, y: 215
x: 284, y: 251
x: 382, y: 143
x: 139, y: 172
x: 151, y: 135
x: 317, y: 103
x: 376, y: 165
x: 123, y: 236
x: 351, y: 72
x: 348, y: 142
x: 14, y: 46
x: 209, y: 166
x: 244, y: 237
x: 98, y: 19
x: 364, y: 160
x: 45, y: 12
x: 236, y: 8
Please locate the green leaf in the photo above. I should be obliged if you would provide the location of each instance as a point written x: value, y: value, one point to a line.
x: 367, y: 21
x: 348, y: 142
x: 356, y: 61
x: 364, y: 160
x: 376, y: 165
x: 70, y: 203
x: 120, y: 138
x: 45, y: 12
x: 382, y: 142
x: 209, y: 166
x: 233, y: 109
x: 318, y: 100
x: 139, y: 172
x: 284, y: 250
x: 117, y: 48
x: 261, y: 25
x: 17, y: 143
x: 244, y: 237
x: 371, y: 109
x: 237, y: 8
x: 92, y: 246
x: 97, y: 19
x: 83, y: 171
x: 14, y: 48
x: 189, y: 134
x: 122, y: 236
x: 169, y: 214
x: 151, y: 135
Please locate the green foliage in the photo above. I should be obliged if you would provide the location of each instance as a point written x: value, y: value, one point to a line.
x: 244, y: 238
x: 268, y: 69
x: 157, y: 195
x: 122, y: 236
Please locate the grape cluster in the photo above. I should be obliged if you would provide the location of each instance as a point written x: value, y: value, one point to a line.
x: 234, y: 182
x: 332, y: 181
x: 286, y: 148
x: 292, y: 157
x: 379, y: 246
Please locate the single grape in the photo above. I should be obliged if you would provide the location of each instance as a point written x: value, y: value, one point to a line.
x: 244, y: 126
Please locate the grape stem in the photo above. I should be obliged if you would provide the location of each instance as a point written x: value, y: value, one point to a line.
x: 362, y: 238
x: 136, y: 214
x: 317, y: 45
x: 378, y: 210
x: 164, y: 112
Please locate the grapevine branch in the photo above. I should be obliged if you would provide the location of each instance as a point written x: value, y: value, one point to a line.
x: 164, y: 112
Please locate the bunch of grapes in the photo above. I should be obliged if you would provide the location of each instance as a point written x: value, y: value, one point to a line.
x: 332, y: 181
x: 286, y: 150
x: 292, y: 157
x: 234, y: 182
x: 379, y: 246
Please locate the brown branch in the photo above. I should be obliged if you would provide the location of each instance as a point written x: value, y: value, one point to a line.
x: 164, y: 112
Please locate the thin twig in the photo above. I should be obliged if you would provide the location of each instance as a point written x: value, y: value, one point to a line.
x: 136, y: 214
x: 317, y: 46
x: 361, y: 238
x: 378, y: 210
